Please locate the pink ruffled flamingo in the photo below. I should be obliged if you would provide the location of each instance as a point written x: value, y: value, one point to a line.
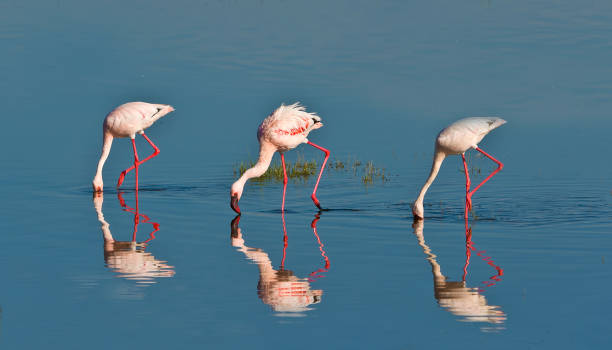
x: 457, y: 138
x: 126, y: 121
x: 285, y: 129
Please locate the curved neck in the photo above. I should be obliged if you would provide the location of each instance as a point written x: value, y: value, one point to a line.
x: 106, y: 147
x: 435, y: 167
x: 266, y: 152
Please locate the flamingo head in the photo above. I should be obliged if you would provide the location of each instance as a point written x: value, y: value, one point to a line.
x: 236, y: 236
x: 417, y: 210
x: 235, y: 194
x: 162, y: 110
x: 98, y: 185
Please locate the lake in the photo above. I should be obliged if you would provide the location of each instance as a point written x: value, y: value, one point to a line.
x: 171, y: 265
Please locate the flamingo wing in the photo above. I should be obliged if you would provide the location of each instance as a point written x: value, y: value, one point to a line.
x: 288, y: 126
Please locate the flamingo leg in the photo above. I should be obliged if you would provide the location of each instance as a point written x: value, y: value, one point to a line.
x: 468, y: 200
x: 136, y: 162
x: 155, y: 153
x: 500, y: 166
x: 314, y: 192
x: 284, y: 181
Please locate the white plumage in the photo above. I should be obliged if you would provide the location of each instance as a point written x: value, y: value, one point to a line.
x: 128, y: 120
x: 457, y: 138
x: 286, y: 128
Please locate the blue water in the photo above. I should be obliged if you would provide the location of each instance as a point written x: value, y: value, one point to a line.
x: 385, y: 78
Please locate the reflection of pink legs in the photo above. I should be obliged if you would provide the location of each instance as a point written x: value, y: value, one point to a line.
x: 285, y: 241
x: 468, y: 196
x: 314, y: 192
x: 469, y: 246
x: 137, y: 163
x: 137, y: 216
x: 284, y: 181
x: 318, y: 273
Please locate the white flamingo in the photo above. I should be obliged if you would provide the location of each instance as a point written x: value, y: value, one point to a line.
x: 126, y: 121
x: 457, y: 138
x: 285, y: 129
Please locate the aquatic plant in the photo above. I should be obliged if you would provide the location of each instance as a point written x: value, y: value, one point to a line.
x: 473, y: 167
x: 371, y: 173
x: 301, y: 170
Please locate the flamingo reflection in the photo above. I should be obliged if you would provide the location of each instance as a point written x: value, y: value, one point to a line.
x: 455, y: 296
x: 286, y: 293
x: 129, y: 258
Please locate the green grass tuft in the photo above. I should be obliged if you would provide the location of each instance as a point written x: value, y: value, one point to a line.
x: 298, y: 170
x: 371, y: 173
x: 302, y: 170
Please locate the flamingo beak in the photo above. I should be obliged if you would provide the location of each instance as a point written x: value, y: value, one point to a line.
x: 234, y: 226
x: 234, y: 204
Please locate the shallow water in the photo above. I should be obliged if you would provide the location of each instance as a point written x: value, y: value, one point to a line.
x: 385, y: 78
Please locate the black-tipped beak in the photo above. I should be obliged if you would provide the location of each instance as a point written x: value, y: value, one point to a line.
x: 234, y: 204
x: 234, y: 226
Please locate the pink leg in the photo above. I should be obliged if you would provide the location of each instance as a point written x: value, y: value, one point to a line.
x: 155, y: 153
x: 468, y: 200
x: 136, y: 162
x: 284, y: 181
x: 500, y: 166
x: 314, y: 192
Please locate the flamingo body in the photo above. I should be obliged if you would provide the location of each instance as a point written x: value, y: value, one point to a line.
x: 128, y: 120
x: 133, y: 117
x: 458, y: 138
x: 285, y: 129
x: 288, y: 127
x: 466, y: 133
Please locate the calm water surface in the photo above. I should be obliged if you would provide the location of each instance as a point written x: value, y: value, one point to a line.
x: 170, y: 267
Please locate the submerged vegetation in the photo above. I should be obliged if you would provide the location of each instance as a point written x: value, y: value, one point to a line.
x: 368, y: 173
x: 302, y: 170
x: 371, y: 173
x: 473, y: 168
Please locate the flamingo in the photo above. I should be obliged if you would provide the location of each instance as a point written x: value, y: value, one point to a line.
x: 286, y: 128
x: 125, y: 121
x: 457, y: 138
